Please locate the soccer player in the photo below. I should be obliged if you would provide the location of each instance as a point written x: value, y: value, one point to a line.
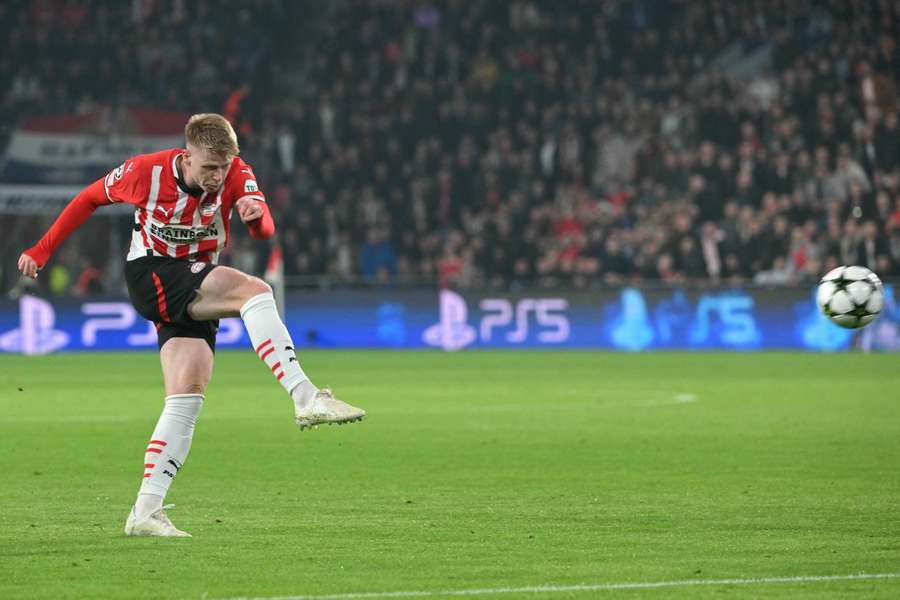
x: 183, y: 201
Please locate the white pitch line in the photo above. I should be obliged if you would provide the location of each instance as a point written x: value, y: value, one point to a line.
x: 549, y: 589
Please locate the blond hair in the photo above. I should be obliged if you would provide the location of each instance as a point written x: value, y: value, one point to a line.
x: 212, y: 132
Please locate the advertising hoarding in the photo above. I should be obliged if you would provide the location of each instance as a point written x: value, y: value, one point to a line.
x: 629, y: 319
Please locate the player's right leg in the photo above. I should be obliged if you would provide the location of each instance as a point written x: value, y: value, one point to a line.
x: 227, y: 292
x: 187, y: 366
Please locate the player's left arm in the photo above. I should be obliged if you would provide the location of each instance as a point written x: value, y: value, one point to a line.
x: 251, y: 203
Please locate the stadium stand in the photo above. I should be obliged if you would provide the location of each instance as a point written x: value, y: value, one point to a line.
x: 511, y: 144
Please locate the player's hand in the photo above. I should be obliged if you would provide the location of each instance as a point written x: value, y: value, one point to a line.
x: 249, y: 210
x: 28, y: 266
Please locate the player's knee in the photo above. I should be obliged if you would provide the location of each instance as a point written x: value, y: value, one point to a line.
x: 256, y: 286
x: 249, y: 287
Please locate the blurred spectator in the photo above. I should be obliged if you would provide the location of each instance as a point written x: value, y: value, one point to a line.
x: 519, y: 143
x: 378, y: 262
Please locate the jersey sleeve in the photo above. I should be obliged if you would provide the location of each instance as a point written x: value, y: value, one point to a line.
x: 73, y: 215
x: 127, y: 183
x: 243, y: 183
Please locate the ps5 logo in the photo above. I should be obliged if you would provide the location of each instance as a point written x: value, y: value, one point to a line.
x: 121, y: 316
x: 554, y: 326
x: 105, y: 326
x: 36, y: 333
x: 453, y: 331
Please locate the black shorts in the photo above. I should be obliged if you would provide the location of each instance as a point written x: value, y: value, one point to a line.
x: 161, y: 290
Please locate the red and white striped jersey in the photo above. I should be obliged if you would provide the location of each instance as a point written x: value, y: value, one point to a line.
x: 169, y: 221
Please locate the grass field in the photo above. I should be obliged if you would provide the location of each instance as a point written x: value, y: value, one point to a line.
x: 472, y: 471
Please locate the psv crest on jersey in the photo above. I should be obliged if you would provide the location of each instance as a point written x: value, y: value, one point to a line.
x: 209, y: 206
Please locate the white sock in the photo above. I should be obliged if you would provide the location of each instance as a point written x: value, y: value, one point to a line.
x: 304, y: 393
x: 274, y: 346
x: 147, y: 504
x: 167, y: 450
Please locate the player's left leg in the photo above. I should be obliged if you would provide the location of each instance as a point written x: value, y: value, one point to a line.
x: 187, y: 367
x: 227, y: 292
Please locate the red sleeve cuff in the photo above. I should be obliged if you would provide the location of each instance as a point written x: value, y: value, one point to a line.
x: 264, y: 227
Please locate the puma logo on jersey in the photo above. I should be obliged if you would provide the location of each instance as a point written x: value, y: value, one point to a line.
x: 163, y: 211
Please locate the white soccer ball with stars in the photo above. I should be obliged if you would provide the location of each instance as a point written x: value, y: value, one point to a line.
x: 850, y: 296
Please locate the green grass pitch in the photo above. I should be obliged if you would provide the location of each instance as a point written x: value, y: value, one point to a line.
x: 476, y: 470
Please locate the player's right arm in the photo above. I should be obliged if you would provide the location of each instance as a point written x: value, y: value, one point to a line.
x: 123, y: 184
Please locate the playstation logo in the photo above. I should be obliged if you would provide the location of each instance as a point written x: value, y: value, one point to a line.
x: 453, y: 331
x: 35, y: 334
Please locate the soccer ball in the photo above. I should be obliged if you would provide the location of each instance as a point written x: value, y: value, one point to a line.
x: 850, y: 296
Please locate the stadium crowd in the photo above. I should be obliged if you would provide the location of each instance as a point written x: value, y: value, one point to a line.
x: 550, y: 143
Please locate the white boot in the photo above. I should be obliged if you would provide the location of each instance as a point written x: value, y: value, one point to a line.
x: 325, y: 408
x: 155, y: 524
